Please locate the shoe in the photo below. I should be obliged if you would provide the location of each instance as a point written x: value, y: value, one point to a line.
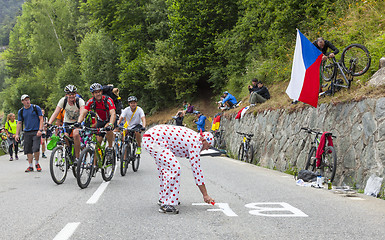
x: 38, y: 168
x: 43, y: 155
x: 168, y: 209
x: 29, y: 169
x: 138, y: 151
x: 11, y: 158
x: 16, y: 158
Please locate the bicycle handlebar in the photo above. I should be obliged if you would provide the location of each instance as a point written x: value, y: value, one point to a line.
x: 246, y: 134
x: 311, y: 131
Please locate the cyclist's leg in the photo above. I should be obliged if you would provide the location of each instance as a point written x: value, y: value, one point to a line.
x: 76, y: 137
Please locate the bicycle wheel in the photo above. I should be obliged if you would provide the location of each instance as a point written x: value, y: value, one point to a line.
x: 135, y: 159
x: 85, y: 167
x: 241, y: 152
x: 311, y: 160
x: 21, y: 142
x: 58, y: 165
x: 125, y: 159
x: 328, y: 70
x: 329, y: 163
x: 117, y: 149
x: 357, y: 55
x: 250, y: 154
x: 108, y: 168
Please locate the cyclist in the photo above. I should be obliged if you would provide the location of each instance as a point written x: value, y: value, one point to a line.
x: 323, y: 46
x: 135, y: 119
x: 165, y: 143
x: 72, y: 106
x: 104, y: 108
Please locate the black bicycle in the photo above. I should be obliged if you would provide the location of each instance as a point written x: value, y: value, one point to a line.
x: 355, y: 61
x: 219, y: 139
x: 328, y: 163
x: 129, y: 151
x: 118, y: 144
x: 62, y: 157
x: 246, y: 150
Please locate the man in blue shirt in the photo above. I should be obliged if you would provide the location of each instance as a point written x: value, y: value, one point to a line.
x: 201, y: 121
x: 31, y: 116
x: 229, y: 100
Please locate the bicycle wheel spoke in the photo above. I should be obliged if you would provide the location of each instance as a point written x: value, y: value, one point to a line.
x: 356, y: 58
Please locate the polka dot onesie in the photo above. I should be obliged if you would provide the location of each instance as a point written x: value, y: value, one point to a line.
x: 165, y: 143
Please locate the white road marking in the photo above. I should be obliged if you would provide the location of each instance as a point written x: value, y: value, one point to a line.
x: 278, y: 209
x: 223, y: 207
x: 95, y: 197
x: 357, y: 198
x: 67, y: 231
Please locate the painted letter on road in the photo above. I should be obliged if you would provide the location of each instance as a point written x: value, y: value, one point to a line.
x: 274, y: 209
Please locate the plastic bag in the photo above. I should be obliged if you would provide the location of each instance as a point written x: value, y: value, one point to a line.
x: 52, y: 144
x: 373, y: 186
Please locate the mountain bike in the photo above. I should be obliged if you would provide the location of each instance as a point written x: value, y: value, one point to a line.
x: 21, y: 142
x: 4, y: 143
x: 328, y: 163
x: 219, y: 139
x: 129, y: 151
x: 355, y: 61
x: 105, y: 159
x: 246, y: 150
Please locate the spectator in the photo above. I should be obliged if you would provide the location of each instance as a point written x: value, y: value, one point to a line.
x: 31, y: 116
x: 179, y: 119
x: 229, y: 100
x: 190, y: 109
x: 201, y: 121
x: 323, y: 46
x: 258, y: 92
x: 10, y: 128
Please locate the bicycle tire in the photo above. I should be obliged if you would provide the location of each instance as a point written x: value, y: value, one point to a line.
x: 135, y: 159
x: 358, y: 53
x: 329, y: 163
x: 117, y: 150
x: 125, y: 159
x: 21, y: 142
x: 4, y: 146
x: 328, y: 70
x: 109, y: 164
x: 58, y: 165
x: 85, y: 167
x: 241, y: 152
x: 311, y: 161
x: 250, y: 154
x: 222, y: 143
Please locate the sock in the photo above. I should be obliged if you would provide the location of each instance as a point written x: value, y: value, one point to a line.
x: 31, y: 165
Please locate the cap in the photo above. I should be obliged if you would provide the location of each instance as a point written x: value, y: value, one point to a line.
x: 225, y: 92
x: 24, y: 96
x: 208, y: 136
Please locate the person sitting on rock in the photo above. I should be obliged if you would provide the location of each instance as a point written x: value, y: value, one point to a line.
x: 258, y: 92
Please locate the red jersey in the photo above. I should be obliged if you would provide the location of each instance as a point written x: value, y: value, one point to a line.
x: 102, y: 108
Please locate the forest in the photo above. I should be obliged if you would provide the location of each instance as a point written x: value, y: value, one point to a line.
x: 166, y: 51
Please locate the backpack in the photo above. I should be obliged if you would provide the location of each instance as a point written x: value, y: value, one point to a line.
x: 307, y: 176
x: 107, y: 91
x: 106, y: 106
x: 66, y: 100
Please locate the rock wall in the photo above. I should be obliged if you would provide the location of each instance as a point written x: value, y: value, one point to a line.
x: 279, y: 143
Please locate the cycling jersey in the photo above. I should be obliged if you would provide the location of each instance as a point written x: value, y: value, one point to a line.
x: 103, y: 114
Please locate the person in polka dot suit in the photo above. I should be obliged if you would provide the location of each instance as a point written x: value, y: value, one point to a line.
x: 166, y: 142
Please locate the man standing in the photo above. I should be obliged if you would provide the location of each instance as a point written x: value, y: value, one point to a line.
x: 72, y: 106
x: 258, y: 93
x: 165, y: 143
x: 32, y: 118
x: 135, y: 118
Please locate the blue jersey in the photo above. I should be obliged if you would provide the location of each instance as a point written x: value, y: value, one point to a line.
x: 31, y: 119
x: 201, y: 123
x: 230, y: 98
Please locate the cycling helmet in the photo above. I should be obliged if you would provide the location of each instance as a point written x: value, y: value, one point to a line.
x: 95, y: 87
x: 70, y: 89
x: 132, y: 99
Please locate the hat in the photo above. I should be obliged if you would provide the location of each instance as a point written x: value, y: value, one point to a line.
x: 208, y: 136
x: 196, y: 112
x: 24, y: 96
x: 254, y: 80
x: 225, y: 92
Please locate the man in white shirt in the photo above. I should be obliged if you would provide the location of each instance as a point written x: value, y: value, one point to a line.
x: 135, y: 119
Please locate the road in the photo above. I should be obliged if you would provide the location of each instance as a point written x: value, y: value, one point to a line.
x: 251, y: 203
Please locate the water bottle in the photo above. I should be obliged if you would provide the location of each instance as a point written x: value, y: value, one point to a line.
x: 330, y: 185
x: 319, y: 180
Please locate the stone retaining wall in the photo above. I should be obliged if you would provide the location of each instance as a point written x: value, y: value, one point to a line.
x: 279, y: 143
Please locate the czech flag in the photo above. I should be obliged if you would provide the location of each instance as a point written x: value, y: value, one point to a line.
x: 304, y: 83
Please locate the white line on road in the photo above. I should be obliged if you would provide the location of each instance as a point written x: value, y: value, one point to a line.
x: 67, y: 231
x: 95, y: 197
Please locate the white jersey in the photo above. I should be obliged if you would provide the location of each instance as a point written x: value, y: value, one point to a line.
x: 71, y: 112
x: 133, y: 120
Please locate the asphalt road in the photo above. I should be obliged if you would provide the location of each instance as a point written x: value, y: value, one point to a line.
x: 251, y: 203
